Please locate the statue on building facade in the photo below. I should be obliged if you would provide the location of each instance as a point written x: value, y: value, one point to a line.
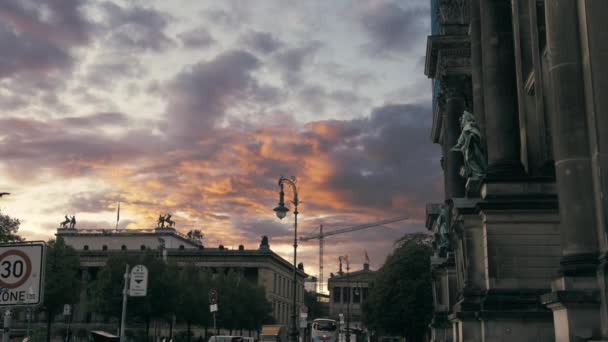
x: 442, y: 238
x: 264, y: 243
x: 162, y: 220
x: 73, y: 222
x: 469, y: 144
x: 64, y: 224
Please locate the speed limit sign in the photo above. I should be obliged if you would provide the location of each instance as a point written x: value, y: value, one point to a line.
x: 21, y: 273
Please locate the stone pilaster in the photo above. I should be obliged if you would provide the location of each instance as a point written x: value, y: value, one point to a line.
x: 574, y: 180
x: 454, y: 98
x: 476, y: 70
x: 500, y: 95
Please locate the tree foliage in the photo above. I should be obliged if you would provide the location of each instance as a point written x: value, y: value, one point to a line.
x: 8, y: 229
x: 182, y: 292
x: 62, y: 279
x: 400, y: 301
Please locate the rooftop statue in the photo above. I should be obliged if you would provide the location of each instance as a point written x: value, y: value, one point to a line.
x: 65, y: 223
x: 469, y: 144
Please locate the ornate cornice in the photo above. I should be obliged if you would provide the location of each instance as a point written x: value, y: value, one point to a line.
x: 449, y: 54
x: 453, y: 12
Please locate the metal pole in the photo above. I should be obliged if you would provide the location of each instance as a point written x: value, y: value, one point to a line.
x: 123, y: 319
x: 350, y: 294
x: 214, y: 325
x: 294, y: 331
x: 7, y: 325
x: 29, y: 320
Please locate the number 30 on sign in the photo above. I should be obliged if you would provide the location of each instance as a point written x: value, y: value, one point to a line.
x: 21, y: 273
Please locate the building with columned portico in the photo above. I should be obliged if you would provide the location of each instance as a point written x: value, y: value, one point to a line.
x: 261, y: 265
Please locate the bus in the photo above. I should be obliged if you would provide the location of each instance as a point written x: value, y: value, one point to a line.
x: 324, y: 330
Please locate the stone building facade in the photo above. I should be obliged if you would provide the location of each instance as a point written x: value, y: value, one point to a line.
x: 522, y: 245
x: 349, y: 289
x: 261, y: 266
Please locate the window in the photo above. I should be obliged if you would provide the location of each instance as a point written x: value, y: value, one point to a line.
x: 86, y: 247
x: 181, y: 246
x: 336, y: 294
x: 364, y: 293
x: 104, y: 248
x: 274, y: 287
x: 346, y: 296
x: 142, y: 247
x: 357, y: 295
x: 123, y: 247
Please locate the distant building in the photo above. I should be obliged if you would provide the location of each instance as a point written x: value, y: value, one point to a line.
x: 261, y: 266
x: 350, y: 287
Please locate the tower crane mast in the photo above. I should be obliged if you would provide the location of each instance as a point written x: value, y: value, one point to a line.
x: 322, y: 235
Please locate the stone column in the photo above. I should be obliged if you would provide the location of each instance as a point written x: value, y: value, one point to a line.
x: 570, y: 137
x: 593, y: 33
x: 500, y: 91
x: 454, y: 106
x: 476, y: 71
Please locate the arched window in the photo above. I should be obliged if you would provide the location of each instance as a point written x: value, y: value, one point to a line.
x: 86, y: 247
x: 142, y: 247
x: 104, y: 248
x: 123, y: 247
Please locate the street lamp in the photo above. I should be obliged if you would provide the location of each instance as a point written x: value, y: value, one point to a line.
x: 350, y: 294
x: 281, y: 211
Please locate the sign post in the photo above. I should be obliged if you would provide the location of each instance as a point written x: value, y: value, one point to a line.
x: 67, y: 312
x: 213, y: 306
x: 138, y: 287
x: 21, y: 278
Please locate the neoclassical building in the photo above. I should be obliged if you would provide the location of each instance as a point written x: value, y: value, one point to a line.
x: 261, y: 266
x: 520, y: 109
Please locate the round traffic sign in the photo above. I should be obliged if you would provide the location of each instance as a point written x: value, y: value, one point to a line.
x: 212, y: 296
x: 15, y: 268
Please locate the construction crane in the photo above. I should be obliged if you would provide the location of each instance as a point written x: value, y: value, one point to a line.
x: 322, y: 235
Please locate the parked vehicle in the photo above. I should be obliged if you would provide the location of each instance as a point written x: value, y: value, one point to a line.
x: 225, y: 338
x: 324, y: 330
x: 273, y: 333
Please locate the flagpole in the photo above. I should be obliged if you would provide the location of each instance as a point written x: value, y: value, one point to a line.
x: 117, y: 216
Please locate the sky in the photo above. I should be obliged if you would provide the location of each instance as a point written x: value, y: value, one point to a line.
x: 196, y: 108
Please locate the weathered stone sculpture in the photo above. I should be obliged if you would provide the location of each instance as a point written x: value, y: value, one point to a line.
x: 73, y: 222
x: 64, y: 223
x: 264, y: 243
x: 161, y: 221
x: 442, y: 238
x: 469, y: 144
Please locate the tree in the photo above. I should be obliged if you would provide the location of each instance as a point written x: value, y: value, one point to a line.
x: 314, y: 307
x: 400, y: 301
x: 160, y: 301
x: 62, y: 280
x: 8, y: 229
x: 192, y: 305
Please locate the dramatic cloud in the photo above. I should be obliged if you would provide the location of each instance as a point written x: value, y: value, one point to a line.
x: 199, y: 96
x: 393, y: 29
x: 292, y: 61
x: 196, y: 39
x: 136, y: 28
x: 263, y: 42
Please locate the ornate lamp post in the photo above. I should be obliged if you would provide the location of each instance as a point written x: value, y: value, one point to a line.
x: 281, y: 211
x: 345, y: 259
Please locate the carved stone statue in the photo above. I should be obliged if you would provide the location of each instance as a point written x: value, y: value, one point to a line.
x: 469, y: 144
x: 161, y: 221
x: 443, y: 228
x: 169, y: 221
x: 264, y: 243
x: 73, y: 222
x: 64, y: 223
